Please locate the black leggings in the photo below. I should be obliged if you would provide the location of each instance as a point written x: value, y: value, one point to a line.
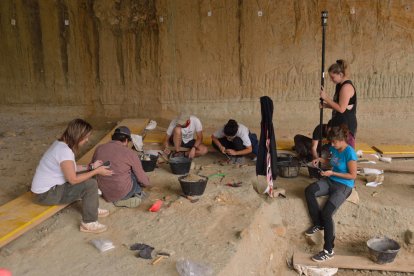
x: 337, y: 193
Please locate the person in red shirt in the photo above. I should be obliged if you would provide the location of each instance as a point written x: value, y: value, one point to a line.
x: 124, y: 187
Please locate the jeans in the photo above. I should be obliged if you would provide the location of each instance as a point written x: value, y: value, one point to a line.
x: 303, y: 147
x: 136, y: 188
x: 337, y: 193
x: 67, y: 193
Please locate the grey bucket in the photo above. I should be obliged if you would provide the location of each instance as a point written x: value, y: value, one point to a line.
x: 382, y: 250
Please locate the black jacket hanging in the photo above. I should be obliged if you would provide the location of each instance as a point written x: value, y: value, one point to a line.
x: 266, y: 131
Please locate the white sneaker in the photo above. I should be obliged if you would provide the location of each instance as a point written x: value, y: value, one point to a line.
x: 92, y: 227
x: 102, y: 213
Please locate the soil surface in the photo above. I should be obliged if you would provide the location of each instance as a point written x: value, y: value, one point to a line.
x: 232, y: 230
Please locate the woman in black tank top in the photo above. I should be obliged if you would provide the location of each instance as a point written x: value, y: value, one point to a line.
x: 344, y: 102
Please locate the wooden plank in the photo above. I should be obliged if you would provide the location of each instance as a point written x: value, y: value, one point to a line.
x: 400, y: 264
x: 396, y: 149
x: 22, y: 214
x: 364, y: 147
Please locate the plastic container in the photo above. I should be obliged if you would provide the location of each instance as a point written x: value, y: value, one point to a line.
x: 180, y: 165
x: 149, y: 165
x: 193, y: 188
x: 382, y: 250
x: 288, y: 166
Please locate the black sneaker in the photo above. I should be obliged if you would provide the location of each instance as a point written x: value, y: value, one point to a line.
x: 312, y: 230
x: 322, y: 256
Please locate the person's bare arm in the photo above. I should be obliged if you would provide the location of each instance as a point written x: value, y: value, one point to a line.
x: 245, y: 151
x: 197, y: 143
x: 347, y: 91
x: 316, y: 161
x: 218, y: 144
x: 68, y: 169
x: 166, y: 142
x: 352, y: 174
x: 199, y: 139
x: 91, y: 166
x: 314, y: 149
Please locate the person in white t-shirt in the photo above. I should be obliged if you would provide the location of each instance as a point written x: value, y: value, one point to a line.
x: 186, y: 131
x: 58, y: 179
x: 235, y: 139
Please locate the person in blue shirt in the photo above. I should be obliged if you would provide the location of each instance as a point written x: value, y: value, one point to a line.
x: 336, y: 183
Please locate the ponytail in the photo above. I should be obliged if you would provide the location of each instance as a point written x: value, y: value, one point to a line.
x: 341, y: 66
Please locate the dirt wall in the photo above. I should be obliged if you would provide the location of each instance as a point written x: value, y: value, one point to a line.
x: 215, y: 58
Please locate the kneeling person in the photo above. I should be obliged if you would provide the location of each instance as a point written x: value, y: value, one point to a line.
x: 124, y: 187
x: 235, y: 139
x: 186, y: 131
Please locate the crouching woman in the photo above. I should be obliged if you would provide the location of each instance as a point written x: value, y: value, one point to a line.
x: 337, y: 185
x: 57, y: 179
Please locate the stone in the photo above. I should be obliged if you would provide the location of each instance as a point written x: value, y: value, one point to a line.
x: 409, y: 236
x: 241, y: 234
x: 279, y: 230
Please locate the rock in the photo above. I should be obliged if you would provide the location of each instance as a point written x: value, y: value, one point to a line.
x: 279, y: 230
x: 409, y: 236
x: 241, y: 234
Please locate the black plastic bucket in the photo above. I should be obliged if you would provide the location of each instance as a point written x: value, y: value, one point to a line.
x: 288, y: 166
x: 193, y: 188
x: 149, y: 165
x: 180, y: 165
x: 383, y: 250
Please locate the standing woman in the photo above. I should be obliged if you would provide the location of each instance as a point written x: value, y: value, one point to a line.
x: 58, y: 179
x: 337, y: 185
x: 344, y: 102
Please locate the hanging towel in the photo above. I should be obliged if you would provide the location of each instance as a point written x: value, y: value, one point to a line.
x: 267, y: 155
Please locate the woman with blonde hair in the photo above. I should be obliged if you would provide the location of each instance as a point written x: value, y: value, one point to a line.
x: 59, y: 180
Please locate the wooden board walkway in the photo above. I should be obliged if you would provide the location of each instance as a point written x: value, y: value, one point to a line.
x: 396, y: 149
x: 22, y: 214
x: 355, y: 262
